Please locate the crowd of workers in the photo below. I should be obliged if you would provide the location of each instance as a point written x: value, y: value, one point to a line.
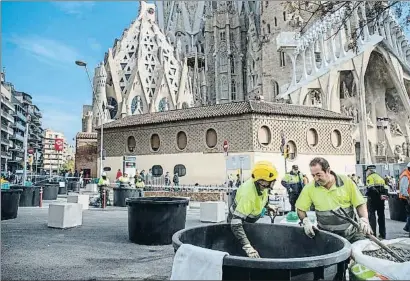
x: 326, y: 193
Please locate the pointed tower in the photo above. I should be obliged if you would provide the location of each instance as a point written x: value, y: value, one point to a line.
x: 144, y: 68
x: 100, y: 98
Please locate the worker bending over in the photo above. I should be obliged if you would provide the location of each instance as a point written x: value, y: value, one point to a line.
x: 250, y: 199
x: 377, y: 192
x: 330, y: 191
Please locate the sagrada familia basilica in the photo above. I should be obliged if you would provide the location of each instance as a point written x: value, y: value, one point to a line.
x: 180, y: 54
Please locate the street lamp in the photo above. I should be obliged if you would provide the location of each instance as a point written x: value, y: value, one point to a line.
x: 84, y: 64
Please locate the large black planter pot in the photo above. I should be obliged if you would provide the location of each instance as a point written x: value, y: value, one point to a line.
x: 50, y: 192
x: 10, y: 203
x: 397, y: 207
x: 153, y: 220
x: 121, y: 194
x: 287, y: 253
x: 26, y: 196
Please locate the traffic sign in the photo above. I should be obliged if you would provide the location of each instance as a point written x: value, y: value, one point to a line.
x: 59, y: 145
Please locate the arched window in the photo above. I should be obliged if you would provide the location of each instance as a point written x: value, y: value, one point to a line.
x: 136, y: 104
x: 113, y: 111
x: 275, y: 92
x: 163, y: 105
x: 268, y: 28
x: 155, y: 142
x: 131, y: 144
x: 211, y: 138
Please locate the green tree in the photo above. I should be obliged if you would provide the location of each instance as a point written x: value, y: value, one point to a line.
x: 68, y: 166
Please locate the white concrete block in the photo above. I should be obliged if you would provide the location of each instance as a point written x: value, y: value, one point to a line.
x: 83, y: 199
x: 91, y: 187
x: 65, y: 215
x: 212, y: 211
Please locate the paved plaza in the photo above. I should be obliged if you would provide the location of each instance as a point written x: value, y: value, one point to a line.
x: 98, y: 250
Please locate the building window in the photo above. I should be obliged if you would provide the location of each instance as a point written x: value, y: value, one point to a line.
x: 180, y: 169
x: 336, y: 138
x: 233, y: 90
x: 282, y: 59
x: 268, y: 28
x: 276, y: 21
x: 312, y: 137
x: 264, y: 135
x: 223, y: 36
x: 185, y: 105
x: 155, y: 142
x: 284, y: 16
x: 181, y: 140
x: 131, y: 144
x: 275, y: 89
x: 232, y: 65
x: 211, y: 138
x: 157, y: 171
x: 292, y: 150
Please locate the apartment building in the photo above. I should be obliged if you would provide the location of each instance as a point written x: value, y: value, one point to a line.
x: 23, y: 116
x: 7, y: 120
x: 54, y: 160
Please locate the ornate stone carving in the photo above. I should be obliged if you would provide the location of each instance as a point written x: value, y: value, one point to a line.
x: 350, y: 111
x: 395, y: 129
x: 369, y: 120
x: 405, y: 148
x: 381, y: 148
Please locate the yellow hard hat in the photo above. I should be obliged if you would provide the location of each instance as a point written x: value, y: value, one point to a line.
x: 264, y: 170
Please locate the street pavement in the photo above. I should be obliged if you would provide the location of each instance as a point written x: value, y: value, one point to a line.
x: 97, y: 250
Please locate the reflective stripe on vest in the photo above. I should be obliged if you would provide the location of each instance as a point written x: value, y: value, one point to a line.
x: 328, y: 221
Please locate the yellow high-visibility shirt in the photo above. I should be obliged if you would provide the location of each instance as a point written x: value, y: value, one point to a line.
x: 248, y: 204
x: 344, y: 193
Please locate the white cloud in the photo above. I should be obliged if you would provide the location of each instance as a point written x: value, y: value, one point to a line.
x: 75, y: 8
x: 94, y: 45
x: 46, y: 50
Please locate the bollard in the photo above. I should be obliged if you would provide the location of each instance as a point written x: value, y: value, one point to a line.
x: 103, y: 199
x: 41, y: 197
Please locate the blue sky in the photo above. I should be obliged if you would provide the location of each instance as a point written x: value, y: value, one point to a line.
x: 41, y: 41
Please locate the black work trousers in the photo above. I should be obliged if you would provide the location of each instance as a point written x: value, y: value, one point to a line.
x: 293, y: 197
x: 377, y: 206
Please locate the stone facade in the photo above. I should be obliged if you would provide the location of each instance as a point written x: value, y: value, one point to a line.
x: 86, y: 155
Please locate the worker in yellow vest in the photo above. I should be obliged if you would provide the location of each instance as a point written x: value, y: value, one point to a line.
x: 250, y: 200
x: 377, y: 193
x: 293, y: 182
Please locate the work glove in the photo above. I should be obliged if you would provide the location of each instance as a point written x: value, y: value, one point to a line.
x: 290, y: 190
x: 308, y: 227
x: 250, y: 251
x: 364, y: 226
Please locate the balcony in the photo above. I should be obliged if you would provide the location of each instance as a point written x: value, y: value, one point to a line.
x: 7, y: 103
x: 36, y: 121
x: 17, y: 137
x: 19, y: 126
x: 37, y: 113
x: 16, y: 148
x: 16, y: 159
x: 21, y: 116
x: 7, y: 129
x: 5, y: 155
x: 7, y: 116
x: 6, y: 142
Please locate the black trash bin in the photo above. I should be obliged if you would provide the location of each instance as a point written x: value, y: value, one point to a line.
x: 50, y: 191
x: 153, y: 220
x: 26, y: 196
x: 75, y: 186
x: 122, y: 193
x: 62, y: 189
x: 10, y: 199
x: 397, y: 207
x: 36, y: 196
x: 287, y: 253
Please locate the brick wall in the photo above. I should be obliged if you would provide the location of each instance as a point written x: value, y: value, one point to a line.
x: 86, y: 155
x: 241, y: 133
